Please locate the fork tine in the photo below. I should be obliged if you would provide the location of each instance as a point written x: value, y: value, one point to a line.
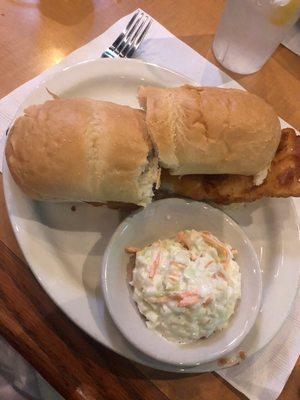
x: 138, y: 40
x: 131, y: 37
x: 129, y: 33
x: 126, y: 42
x: 137, y: 32
x: 126, y: 30
x: 143, y: 34
x: 132, y: 19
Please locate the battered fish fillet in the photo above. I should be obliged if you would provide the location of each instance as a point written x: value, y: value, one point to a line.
x: 283, y: 179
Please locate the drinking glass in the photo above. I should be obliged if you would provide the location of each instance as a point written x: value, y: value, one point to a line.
x: 251, y: 30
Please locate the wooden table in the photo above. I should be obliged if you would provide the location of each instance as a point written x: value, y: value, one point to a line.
x: 35, y: 34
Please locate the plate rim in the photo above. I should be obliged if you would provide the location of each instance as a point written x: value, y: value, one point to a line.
x: 5, y: 188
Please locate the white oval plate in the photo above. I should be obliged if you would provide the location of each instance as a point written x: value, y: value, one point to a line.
x: 64, y: 249
x: 163, y: 219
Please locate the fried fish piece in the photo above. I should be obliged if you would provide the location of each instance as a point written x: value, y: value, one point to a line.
x: 283, y: 179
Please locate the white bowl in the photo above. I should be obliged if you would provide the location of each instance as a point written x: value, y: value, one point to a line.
x: 160, y: 220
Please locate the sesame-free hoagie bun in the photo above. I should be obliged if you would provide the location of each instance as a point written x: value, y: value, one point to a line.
x: 82, y: 150
x: 209, y: 130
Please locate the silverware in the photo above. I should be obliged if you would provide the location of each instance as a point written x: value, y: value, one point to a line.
x: 130, y: 39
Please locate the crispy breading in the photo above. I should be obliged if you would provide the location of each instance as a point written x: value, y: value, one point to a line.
x: 283, y: 179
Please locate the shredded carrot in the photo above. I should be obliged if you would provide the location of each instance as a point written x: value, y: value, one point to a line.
x: 220, y: 275
x: 189, y: 300
x: 189, y: 293
x: 206, y: 265
x: 175, y: 273
x: 207, y: 301
x: 185, y: 299
x: 162, y: 299
x: 219, y: 246
x: 154, y: 265
x: 132, y: 250
x: 193, y: 258
x: 178, y: 265
x: 174, y: 278
x: 181, y: 237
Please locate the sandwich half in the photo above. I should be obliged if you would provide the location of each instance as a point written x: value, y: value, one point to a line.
x: 82, y: 150
x: 222, y: 145
x: 208, y: 130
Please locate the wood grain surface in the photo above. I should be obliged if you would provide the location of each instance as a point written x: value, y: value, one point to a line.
x: 34, y: 35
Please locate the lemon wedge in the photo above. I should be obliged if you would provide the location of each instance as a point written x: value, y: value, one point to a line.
x: 283, y: 14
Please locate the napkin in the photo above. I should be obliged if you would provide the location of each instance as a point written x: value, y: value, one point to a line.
x: 292, y: 40
x: 262, y: 376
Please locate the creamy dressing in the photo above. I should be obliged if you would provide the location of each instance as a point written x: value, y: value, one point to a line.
x: 187, y: 287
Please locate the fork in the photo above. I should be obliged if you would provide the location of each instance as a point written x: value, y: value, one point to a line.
x: 130, y: 39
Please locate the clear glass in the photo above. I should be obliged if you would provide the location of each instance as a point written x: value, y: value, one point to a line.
x: 251, y: 30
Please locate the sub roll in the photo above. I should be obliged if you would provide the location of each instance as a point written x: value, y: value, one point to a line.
x: 208, y: 130
x: 82, y: 150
